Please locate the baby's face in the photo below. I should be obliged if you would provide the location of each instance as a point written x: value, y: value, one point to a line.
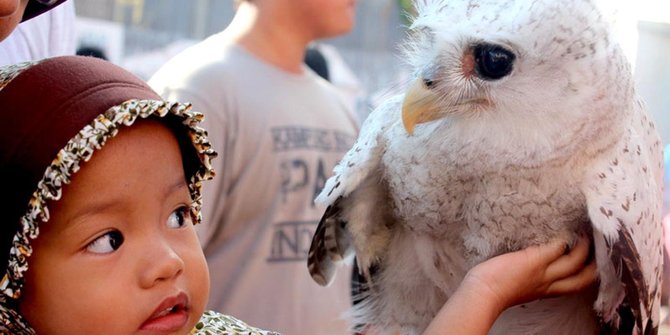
x: 119, y: 254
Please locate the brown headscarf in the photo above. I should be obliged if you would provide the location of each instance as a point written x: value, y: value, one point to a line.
x: 57, y: 113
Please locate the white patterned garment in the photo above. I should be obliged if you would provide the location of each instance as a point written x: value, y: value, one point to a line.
x: 213, y: 323
x: 523, y: 125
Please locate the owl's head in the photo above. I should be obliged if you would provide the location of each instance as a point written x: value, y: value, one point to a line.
x: 517, y: 72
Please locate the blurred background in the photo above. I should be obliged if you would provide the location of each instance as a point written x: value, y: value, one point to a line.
x: 142, y: 34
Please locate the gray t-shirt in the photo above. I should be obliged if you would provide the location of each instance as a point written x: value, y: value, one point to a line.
x: 278, y: 135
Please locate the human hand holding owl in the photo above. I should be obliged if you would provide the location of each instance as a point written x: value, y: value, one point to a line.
x: 514, y: 278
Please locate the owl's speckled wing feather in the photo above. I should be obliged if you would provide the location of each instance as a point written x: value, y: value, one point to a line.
x: 358, y: 172
x: 623, y: 194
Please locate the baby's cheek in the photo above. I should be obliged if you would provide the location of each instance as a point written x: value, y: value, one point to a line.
x: 198, y: 275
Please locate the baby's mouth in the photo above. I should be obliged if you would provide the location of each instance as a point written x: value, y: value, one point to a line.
x: 170, y: 315
x: 170, y: 310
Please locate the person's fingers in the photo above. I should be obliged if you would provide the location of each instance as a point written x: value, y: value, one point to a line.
x: 569, y: 264
x: 543, y: 255
x: 577, y: 282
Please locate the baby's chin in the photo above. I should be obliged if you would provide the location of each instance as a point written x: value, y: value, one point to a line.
x: 194, y: 317
x: 197, y: 307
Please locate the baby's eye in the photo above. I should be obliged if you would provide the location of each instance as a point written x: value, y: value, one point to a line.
x: 107, y: 243
x: 180, y: 218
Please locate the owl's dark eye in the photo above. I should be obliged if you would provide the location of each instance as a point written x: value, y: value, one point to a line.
x: 493, y: 61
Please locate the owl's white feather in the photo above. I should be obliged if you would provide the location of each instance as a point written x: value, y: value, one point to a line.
x: 479, y: 158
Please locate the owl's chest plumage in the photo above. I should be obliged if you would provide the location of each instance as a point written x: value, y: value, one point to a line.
x: 456, y: 211
x: 489, y: 210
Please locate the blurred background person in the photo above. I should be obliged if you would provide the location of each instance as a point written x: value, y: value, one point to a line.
x: 13, y: 12
x: 279, y: 129
x: 47, y: 35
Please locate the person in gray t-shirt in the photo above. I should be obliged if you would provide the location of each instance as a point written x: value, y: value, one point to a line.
x: 279, y: 129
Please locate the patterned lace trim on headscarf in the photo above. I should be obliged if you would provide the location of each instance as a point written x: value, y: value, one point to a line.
x: 67, y: 162
x: 10, y: 72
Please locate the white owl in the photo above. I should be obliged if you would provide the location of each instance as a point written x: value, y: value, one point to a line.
x: 523, y: 125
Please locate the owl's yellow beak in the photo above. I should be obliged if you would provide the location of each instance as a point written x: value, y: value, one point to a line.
x: 419, y: 106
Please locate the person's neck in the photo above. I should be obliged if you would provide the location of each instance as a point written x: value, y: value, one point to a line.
x: 269, y: 37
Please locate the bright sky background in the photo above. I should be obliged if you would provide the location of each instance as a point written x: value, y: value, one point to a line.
x: 654, y: 10
x: 628, y: 13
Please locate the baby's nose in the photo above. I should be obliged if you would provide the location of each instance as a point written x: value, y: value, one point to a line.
x: 162, y: 263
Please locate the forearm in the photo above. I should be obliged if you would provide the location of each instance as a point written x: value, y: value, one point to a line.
x: 470, y: 311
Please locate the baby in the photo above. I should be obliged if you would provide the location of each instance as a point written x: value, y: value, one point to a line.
x: 101, y: 184
x: 112, y: 178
